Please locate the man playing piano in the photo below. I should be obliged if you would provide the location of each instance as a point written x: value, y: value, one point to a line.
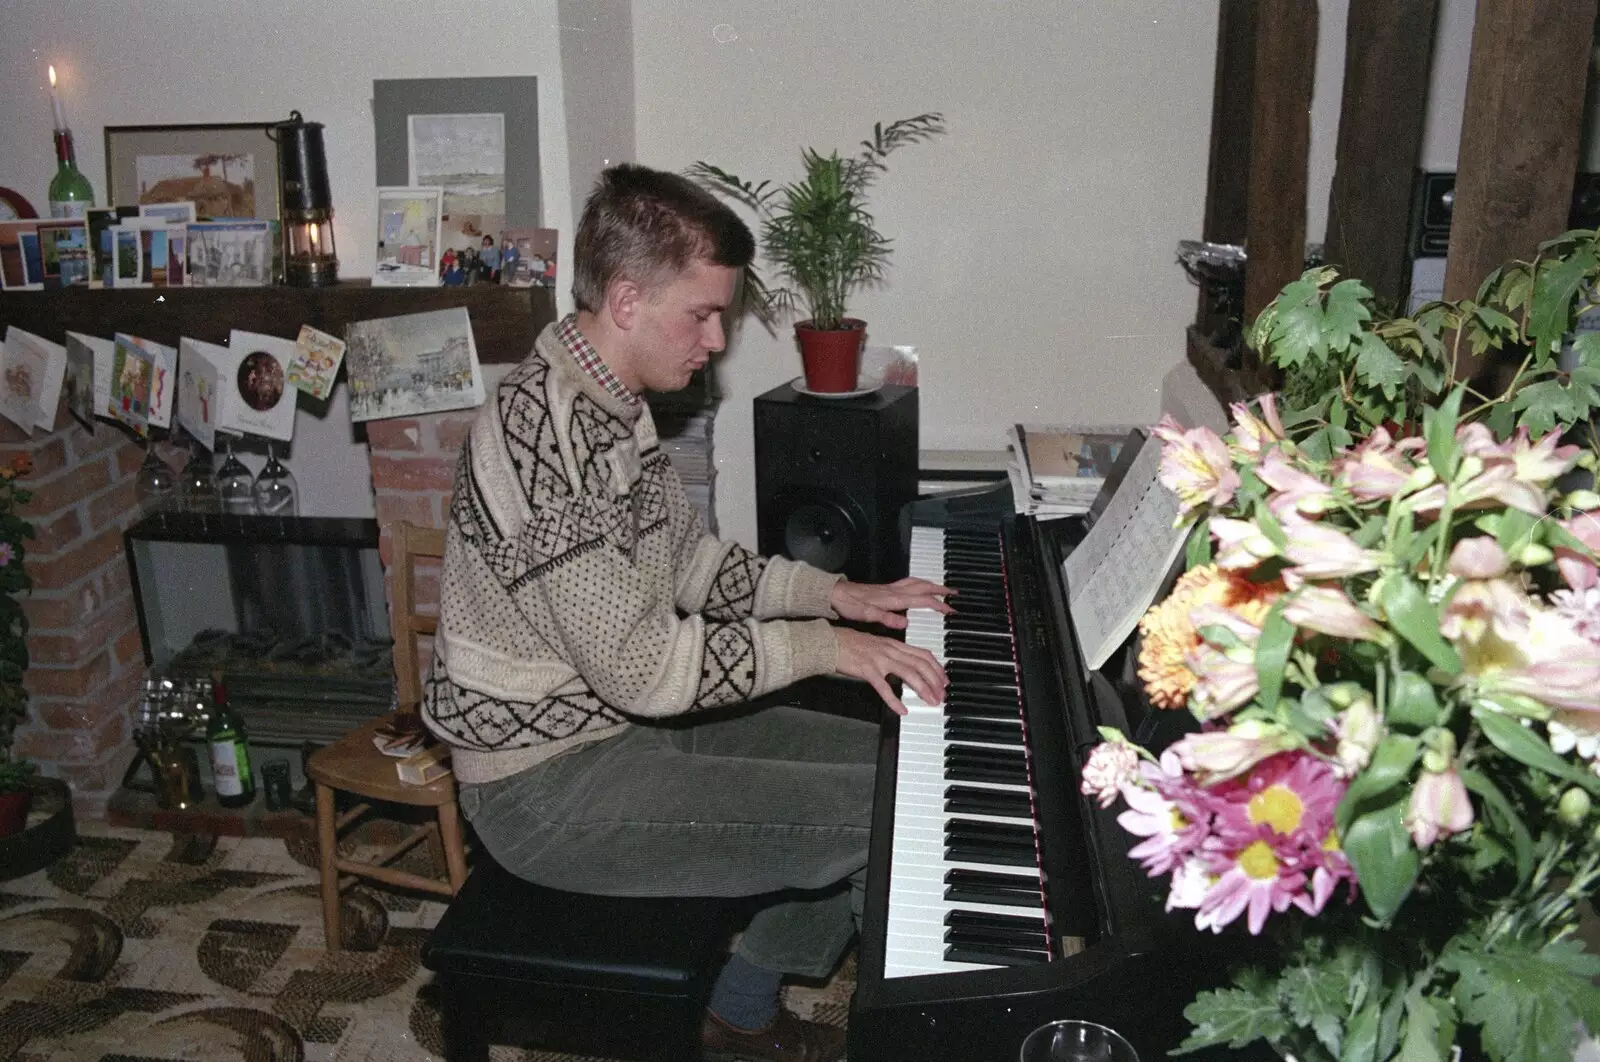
x: 595, y: 645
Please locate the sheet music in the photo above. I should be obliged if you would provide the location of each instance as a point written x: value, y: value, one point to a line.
x: 1115, y: 572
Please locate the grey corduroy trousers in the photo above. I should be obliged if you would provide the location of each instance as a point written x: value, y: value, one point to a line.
x: 754, y: 803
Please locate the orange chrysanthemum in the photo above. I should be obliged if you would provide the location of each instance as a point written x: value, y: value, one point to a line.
x: 1169, y: 636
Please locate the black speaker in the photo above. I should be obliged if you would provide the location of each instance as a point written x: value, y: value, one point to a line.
x: 832, y: 475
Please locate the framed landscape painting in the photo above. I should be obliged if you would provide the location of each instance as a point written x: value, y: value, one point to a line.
x: 226, y: 171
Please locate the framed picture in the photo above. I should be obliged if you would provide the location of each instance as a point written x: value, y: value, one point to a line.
x: 411, y: 364
x: 476, y: 137
x: 229, y: 254
x: 226, y: 171
x: 408, y: 237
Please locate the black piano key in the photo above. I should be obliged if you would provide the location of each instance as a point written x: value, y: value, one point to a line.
x: 988, y: 919
x: 1007, y: 833
x: 986, y: 937
x: 990, y: 957
x: 991, y: 649
x: 956, y: 707
x: 993, y: 731
x: 978, y: 801
x: 1003, y: 857
x: 958, y: 755
x: 980, y: 886
x: 986, y: 674
x: 962, y: 621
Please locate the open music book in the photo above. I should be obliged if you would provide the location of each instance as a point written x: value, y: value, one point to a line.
x: 1116, y: 571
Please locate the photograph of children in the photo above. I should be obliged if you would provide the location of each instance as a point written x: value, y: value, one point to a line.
x: 259, y: 401
x: 528, y: 258
x: 31, y: 371
x: 64, y: 250
x: 230, y: 254
x: 470, y: 248
x: 133, y: 370
x: 171, y: 213
x: 316, y: 362
x: 129, y: 262
x: 102, y: 245
x: 19, y: 241
x: 416, y: 363
x: 217, y: 185
x: 87, y: 383
x: 198, y: 405
x: 408, y: 237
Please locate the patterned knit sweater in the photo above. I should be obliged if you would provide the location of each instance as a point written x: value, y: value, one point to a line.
x: 580, y: 587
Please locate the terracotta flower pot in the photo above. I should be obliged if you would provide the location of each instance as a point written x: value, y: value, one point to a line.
x: 14, y: 807
x: 832, y: 358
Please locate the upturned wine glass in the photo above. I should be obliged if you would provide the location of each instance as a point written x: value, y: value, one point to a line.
x: 155, y: 485
x: 276, y: 493
x: 197, y: 489
x: 235, y: 486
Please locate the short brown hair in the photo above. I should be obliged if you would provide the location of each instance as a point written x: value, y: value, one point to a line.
x: 643, y: 225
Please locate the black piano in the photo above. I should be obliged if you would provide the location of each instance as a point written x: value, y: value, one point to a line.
x: 999, y: 898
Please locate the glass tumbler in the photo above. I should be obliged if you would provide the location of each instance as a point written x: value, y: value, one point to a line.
x: 1076, y: 1041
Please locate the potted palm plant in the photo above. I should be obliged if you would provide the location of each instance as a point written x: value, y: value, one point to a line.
x: 819, y: 235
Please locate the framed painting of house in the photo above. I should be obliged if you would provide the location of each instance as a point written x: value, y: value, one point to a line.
x: 227, y: 171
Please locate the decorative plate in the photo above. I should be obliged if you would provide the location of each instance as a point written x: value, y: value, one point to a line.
x: 13, y: 206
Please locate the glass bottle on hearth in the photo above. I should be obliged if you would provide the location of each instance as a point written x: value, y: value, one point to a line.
x: 235, y: 486
x: 276, y: 492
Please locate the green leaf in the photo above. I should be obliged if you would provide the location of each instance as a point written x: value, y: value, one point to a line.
x: 1522, y: 745
x: 1514, y: 529
x: 1361, y: 1045
x: 1297, y: 332
x: 1272, y: 653
x: 1316, y: 996
x: 1528, y: 1003
x: 1198, y: 550
x: 1587, y: 347
x: 1344, y: 314
x: 1391, y: 764
x: 1502, y: 420
x: 1414, y: 619
x: 1384, y: 859
x: 1428, y: 1021
x: 1551, y: 315
x: 1505, y: 816
x: 1232, y: 1016
x: 1319, y: 444
x: 1379, y: 366
x: 1548, y: 403
x: 1412, y: 702
x: 1440, y: 430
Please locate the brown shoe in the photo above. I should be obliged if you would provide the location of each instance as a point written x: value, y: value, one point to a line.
x: 786, y: 1039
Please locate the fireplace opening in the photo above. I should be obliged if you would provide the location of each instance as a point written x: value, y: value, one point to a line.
x: 291, y: 611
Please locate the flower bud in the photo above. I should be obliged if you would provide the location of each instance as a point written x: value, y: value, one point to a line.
x: 1421, y: 476
x: 1342, y: 694
x: 1534, y: 555
x: 1574, y: 806
x: 1582, y: 500
x: 1471, y: 465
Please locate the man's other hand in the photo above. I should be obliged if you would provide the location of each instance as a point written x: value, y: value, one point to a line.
x: 874, y: 658
x: 886, y: 603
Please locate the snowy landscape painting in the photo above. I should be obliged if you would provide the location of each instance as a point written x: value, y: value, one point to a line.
x: 415, y: 363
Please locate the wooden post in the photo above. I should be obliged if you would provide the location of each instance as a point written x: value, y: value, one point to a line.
x: 1388, y: 46
x: 1519, y: 133
x: 1232, y: 102
x: 1280, y: 140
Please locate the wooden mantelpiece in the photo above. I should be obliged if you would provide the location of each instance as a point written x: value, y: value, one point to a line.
x: 505, y: 320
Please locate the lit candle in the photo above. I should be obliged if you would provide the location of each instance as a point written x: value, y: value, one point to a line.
x: 55, y: 102
x: 314, y: 236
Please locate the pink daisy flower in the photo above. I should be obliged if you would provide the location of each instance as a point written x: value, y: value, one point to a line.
x: 1255, y: 880
x: 1171, y: 813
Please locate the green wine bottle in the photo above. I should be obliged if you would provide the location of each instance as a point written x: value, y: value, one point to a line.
x: 230, y: 752
x: 70, y: 193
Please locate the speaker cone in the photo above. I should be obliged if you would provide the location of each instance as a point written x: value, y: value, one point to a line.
x: 822, y: 534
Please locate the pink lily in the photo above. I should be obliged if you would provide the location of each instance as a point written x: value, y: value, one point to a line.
x: 1329, y: 610
x: 1240, y: 543
x: 1223, y: 680
x: 1576, y: 568
x: 1215, y: 756
x: 1298, y: 491
x: 1195, y: 466
x: 1377, y: 468
x: 1439, y: 807
x: 1251, y: 434
x: 1321, y: 552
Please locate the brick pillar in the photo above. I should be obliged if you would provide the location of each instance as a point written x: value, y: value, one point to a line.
x: 83, y: 639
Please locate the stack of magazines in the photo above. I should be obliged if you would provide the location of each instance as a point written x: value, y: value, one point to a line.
x: 686, y: 440
x: 1057, y: 471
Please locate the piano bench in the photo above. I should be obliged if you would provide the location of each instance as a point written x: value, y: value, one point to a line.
x: 520, y: 964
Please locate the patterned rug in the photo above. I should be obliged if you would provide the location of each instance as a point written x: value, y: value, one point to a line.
x: 140, y: 946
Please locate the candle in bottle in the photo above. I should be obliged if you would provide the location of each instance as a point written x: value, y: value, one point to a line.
x: 55, y: 102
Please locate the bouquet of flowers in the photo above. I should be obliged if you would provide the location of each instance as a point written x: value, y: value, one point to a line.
x: 1392, y: 647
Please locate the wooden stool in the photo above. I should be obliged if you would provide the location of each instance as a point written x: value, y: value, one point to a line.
x: 354, y: 765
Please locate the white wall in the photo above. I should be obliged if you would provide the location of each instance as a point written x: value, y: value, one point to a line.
x: 193, y: 61
x: 1034, y: 265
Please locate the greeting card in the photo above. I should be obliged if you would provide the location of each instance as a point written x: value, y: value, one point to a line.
x: 316, y: 362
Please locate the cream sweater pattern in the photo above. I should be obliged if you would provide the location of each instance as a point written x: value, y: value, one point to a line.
x: 580, y: 587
